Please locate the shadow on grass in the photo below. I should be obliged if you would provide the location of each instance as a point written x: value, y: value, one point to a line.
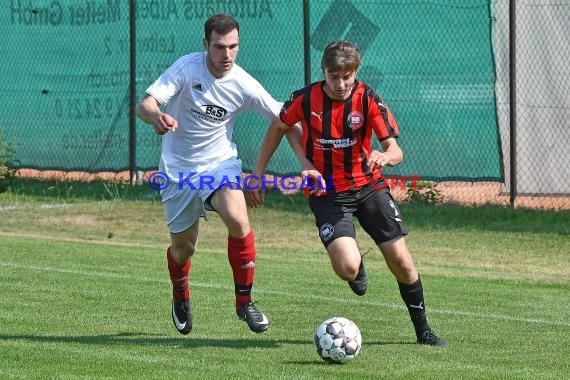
x: 312, y: 362
x: 159, y: 340
x: 152, y: 340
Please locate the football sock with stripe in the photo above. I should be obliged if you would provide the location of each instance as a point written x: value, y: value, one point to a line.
x: 241, y: 255
x: 413, y: 296
x: 179, y: 274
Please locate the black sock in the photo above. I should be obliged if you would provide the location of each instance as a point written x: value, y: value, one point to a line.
x: 413, y: 296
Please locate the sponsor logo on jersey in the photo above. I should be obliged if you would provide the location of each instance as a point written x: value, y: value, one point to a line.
x: 335, y: 143
x: 215, y: 111
x: 210, y: 113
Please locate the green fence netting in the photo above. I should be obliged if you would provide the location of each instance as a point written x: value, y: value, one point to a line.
x: 65, y: 64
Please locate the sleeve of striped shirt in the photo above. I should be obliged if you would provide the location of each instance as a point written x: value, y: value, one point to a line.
x: 292, y: 110
x: 381, y: 119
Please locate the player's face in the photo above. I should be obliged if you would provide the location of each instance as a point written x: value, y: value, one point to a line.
x: 339, y: 84
x: 222, y: 52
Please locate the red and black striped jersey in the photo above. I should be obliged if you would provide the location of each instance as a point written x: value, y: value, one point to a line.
x: 337, y: 133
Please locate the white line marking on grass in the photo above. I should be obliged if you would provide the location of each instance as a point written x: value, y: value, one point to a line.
x: 106, y: 242
x: 48, y: 206
x: 500, y: 317
x: 41, y: 206
x: 430, y: 309
x: 79, y: 272
x: 288, y: 295
x: 57, y: 205
x: 9, y: 208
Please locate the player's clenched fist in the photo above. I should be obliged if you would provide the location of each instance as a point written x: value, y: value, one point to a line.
x: 165, y: 123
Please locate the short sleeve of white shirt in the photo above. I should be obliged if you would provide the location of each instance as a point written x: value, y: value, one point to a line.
x: 205, y: 108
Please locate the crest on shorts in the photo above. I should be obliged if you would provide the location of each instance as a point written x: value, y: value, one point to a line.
x: 355, y: 120
x: 326, y: 231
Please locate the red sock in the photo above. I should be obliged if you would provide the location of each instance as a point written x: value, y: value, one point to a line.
x: 241, y: 255
x: 179, y: 274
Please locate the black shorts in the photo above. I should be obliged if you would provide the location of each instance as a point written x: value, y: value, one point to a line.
x: 376, y: 211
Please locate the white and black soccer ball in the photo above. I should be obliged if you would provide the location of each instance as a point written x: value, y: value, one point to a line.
x: 338, y: 340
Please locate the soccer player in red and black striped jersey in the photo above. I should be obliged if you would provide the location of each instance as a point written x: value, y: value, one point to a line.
x: 338, y: 117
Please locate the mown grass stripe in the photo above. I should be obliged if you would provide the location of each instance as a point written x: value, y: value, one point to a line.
x: 289, y: 295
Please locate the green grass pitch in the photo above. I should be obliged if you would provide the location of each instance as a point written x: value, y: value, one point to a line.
x: 84, y: 293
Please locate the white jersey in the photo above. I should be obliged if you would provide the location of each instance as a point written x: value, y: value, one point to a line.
x: 205, y: 108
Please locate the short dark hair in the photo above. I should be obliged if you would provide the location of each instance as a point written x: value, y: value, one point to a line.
x: 341, y: 55
x: 220, y: 23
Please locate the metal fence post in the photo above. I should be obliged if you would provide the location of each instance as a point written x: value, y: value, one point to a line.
x: 512, y: 103
x: 307, y: 41
x: 132, y: 92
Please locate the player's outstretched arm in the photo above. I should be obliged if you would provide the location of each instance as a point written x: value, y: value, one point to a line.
x: 271, y: 141
x: 295, y: 137
x: 392, y: 155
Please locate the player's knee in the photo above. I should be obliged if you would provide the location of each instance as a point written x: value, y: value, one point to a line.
x: 353, y: 274
x: 346, y: 272
x: 405, y: 264
x: 238, y: 229
x: 409, y: 275
x: 183, y: 250
x: 405, y: 272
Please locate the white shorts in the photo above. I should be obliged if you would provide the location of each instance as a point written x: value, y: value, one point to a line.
x: 187, y: 201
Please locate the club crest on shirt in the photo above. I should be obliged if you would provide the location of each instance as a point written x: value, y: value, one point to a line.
x: 355, y: 120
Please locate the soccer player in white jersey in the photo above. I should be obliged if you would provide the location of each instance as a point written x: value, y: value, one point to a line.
x: 192, y: 105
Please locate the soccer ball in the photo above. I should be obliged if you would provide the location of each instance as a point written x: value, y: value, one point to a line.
x: 338, y: 340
